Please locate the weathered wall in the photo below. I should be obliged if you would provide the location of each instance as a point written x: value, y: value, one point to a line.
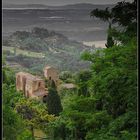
x: 51, y: 73
x: 28, y: 84
x: 20, y: 81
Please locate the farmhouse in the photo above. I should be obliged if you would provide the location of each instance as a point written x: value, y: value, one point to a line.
x: 32, y: 86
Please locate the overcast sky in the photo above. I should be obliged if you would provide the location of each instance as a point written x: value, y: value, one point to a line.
x: 60, y: 2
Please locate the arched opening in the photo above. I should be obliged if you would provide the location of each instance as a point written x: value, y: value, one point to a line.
x: 44, y: 98
x: 39, y: 84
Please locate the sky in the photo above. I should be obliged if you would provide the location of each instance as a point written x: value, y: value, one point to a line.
x: 60, y: 2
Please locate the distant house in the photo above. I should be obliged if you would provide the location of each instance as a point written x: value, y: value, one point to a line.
x: 51, y: 73
x: 68, y: 86
x: 32, y: 86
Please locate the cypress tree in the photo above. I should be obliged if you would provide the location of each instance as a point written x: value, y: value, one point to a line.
x: 53, y: 100
x: 110, y: 41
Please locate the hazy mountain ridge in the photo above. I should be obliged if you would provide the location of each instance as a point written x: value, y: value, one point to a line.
x: 71, y: 6
x: 76, y: 24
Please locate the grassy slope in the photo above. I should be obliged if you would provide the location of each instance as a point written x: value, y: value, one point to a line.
x: 24, y: 52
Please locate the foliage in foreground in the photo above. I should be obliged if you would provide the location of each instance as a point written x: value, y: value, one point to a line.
x: 110, y: 112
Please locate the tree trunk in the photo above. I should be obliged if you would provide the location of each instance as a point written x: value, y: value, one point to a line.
x: 32, y: 131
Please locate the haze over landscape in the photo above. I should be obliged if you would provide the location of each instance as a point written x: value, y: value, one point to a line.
x: 73, y: 21
x: 71, y: 18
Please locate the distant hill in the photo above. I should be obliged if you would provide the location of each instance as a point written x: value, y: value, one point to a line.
x: 53, y: 48
x: 40, y: 39
x: 84, y: 6
x: 41, y: 6
x: 24, y: 6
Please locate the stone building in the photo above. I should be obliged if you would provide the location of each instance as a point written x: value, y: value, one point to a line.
x: 32, y: 86
x: 51, y: 73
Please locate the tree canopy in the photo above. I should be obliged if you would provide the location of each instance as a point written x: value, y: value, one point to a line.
x: 124, y: 14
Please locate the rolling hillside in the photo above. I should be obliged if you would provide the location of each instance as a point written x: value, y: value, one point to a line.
x: 33, y: 50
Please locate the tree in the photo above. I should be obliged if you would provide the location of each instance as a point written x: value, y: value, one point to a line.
x: 110, y: 42
x: 125, y: 15
x: 82, y: 82
x: 8, y: 75
x: 21, y: 35
x: 52, y: 99
x: 53, y: 102
x: 65, y: 76
x: 13, y: 125
x: 52, y: 84
x: 114, y: 83
x: 104, y: 15
x: 49, y: 83
x: 34, y: 113
x: 40, y: 32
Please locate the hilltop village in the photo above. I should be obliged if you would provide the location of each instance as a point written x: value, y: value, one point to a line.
x: 33, y: 86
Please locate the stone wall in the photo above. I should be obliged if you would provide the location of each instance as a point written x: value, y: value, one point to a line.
x: 51, y: 73
x: 29, y: 84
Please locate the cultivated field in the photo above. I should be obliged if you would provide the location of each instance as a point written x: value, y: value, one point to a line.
x: 23, y: 52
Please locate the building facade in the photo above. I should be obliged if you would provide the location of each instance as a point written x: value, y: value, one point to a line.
x: 31, y: 86
x: 51, y: 73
